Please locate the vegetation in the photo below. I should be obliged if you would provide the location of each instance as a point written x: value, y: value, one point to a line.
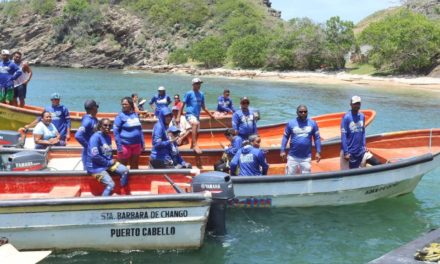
x: 179, y: 56
x: 211, y: 51
x: 43, y: 7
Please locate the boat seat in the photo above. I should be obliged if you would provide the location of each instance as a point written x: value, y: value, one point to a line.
x: 390, y: 155
x: 164, y: 187
x: 65, y: 191
x: 331, y: 164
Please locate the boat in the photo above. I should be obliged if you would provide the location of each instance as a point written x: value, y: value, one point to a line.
x: 10, y: 255
x: 64, y: 210
x: 20, y: 116
x: 329, y: 129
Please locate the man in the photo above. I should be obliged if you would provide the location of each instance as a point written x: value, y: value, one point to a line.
x: 354, y: 153
x: 161, y: 144
x: 244, y: 121
x: 159, y: 101
x: 251, y: 159
x: 194, y: 101
x: 20, y: 84
x: 300, y: 132
x: 230, y: 150
x: 60, y: 117
x: 87, y: 128
x: 183, y: 126
x: 224, y: 103
x: 9, y: 72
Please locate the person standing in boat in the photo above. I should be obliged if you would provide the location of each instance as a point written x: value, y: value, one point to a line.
x: 244, y: 121
x: 160, y: 101
x: 354, y: 153
x: 20, y: 84
x: 250, y: 159
x: 224, y: 104
x: 45, y: 133
x: 194, y: 101
x: 87, y: 128
x: 128, y: 134
x: 9, y: 72
x: 60, y: 118
x: 100, y: 163
x: 299, y: 132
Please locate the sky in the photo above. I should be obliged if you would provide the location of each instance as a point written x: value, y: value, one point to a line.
x: 321, y: 10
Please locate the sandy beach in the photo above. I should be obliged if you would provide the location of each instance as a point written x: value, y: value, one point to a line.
x: 425, y: 83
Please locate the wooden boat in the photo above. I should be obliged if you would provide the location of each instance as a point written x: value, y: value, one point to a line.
x: 20, y: 116
x: 63, y: 210
x: 329, y: 126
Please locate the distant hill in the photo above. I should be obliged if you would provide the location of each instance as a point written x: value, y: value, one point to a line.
x: 376, y: 16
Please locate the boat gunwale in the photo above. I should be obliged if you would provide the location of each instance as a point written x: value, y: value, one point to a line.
x: 81, y: 173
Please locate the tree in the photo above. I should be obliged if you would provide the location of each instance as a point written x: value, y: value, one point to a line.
x: 211, y: 51
x: 249, y: 51
x: 403, y: 43
x: 339, y: 40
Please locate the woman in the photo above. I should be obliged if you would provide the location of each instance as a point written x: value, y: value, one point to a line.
x: 99, y: 158
x: 45, y: 133
x: 128, y: 134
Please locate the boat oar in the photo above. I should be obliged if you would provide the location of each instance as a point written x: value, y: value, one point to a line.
x: 175, y: 186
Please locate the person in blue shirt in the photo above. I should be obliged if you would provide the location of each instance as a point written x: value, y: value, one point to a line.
x: 224, y: 103
x: 230, y: 150
x: 250, y: 159
x: 160, y: 101
x: 244, y: 121
x: 100, y: 162
x: 128, y: 134
x: 9, y: 72
x: 300, y: 132
x: 354, y: 153
x: 60, y: 118
x: 194, y: 101
x: 87, y: 128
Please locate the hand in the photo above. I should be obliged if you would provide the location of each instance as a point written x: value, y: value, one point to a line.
x: 179, y: 141
x: 318, y: 157
x: 283, y: 156
x: 347, y: 156
x: 67, y: 136
x: 26, y: 127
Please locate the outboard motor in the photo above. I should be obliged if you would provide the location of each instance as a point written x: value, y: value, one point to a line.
x: 10, y: 138
x: 25, y: 161
x: 220, y: 186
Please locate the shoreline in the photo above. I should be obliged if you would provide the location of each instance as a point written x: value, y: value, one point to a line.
x: 423, y: 83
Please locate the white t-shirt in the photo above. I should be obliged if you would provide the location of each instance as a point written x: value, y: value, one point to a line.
x: 48, y: 132
x: 183, y: 125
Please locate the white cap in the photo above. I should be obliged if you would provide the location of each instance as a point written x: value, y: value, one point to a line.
x: 355, y: 99
x: 161, y: 88
x: 196, y: 80
x: 5, y: 52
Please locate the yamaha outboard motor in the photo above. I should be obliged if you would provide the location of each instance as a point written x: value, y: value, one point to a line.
x: 23, y: 161
x: 220, y: 186
x: 10, y: 138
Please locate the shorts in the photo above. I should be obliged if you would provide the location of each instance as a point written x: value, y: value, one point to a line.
x: 6, y: 94
x: 193, y: 120
x: 20, y: 91
x: 298, y: 165
x: 129, y: 150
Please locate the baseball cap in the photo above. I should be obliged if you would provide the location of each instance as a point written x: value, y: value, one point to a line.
x: 88, y: 104
x: 5, y: 52
x: 161, y: 88
x: 175, y: 108
x: 173, y: 129
x: 55, y: 96
x: 196, y: 80
x: 244, y: 98
x: 355, y: 99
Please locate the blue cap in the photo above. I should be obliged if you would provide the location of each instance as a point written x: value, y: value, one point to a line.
x: 55, y: 96
x: 173, y: 129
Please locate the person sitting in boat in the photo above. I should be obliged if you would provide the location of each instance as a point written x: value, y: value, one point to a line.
x: 159, y: 101
x: 100, y: 162
x: 224, y: 104
x: 45, y: 133
x: 230, y: 150
x: 137, y: 106
x: 250, y: 159
x: 244, y: 121
x: 178, y: 162
x: 354, y: 153
x: 128, y: 134
x: 299, y: 132
x: 87, y: 128
x: 177, y: 102
x: 183, y: 126
x: 60, y: 118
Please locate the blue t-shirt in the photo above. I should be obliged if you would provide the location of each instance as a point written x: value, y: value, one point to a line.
x: 225, y: 104
x: 194, y: 102
x: 300, y: 134
x: 252, y: 162
x: 99, y: 153
x: 86, y: 130
x: 128, y: 130
x: 160, y: 101
x: 353, y: 133
x: 235, y: 146
x: 245, y: 123
x: 60, y: 118
x: 9, y: 71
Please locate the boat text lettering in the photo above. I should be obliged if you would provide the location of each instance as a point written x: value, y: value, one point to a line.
x: 146, y: 231
x: 144, y: 214
x: 379, y: 189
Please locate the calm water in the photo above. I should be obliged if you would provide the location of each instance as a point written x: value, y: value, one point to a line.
x: 345, y: 234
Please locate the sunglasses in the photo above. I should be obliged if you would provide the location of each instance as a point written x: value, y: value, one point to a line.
x: 106, y: 125
x: 302, y: 112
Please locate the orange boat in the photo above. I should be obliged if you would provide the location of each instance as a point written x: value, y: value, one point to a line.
x: 19, y: 116
x: 329, y: 127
